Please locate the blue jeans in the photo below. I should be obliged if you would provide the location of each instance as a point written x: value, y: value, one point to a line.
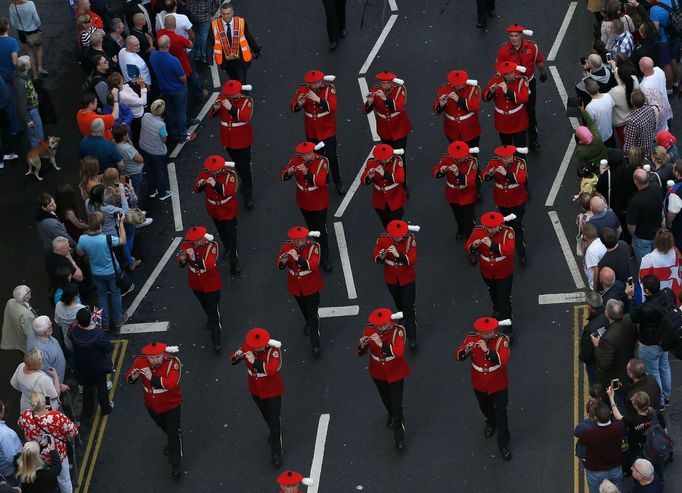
x: 201, y: 38
x: 641, y: 247
x: 176, y: 114
x: 595, y: 478
x: 128, y: 247
x: 35, y: 133
x: 157, y: 173
x: 104, y: 286
x: 657, y: 364
x: 136, y: 180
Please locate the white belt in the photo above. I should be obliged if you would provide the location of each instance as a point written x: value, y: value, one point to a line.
x: 299, y: 274
x: 309, y: 189
x: 220, y: 202
x: 384, y: 189
x: 506, y: 187
x: 382, y: 360
x: 195, y: 270
x: 510, y: 112
x: 257, y: 375
x: 459, y: 118
x: 155, y: 391
x: 230, y: 124
x: 485, y: 370
x: 496, y: 259
x: 318, y: 115
x: 461, y: 187
x: 392, y: 115
x: 390, y: 262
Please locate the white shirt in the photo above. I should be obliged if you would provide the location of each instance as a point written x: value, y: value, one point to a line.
x: 593, y: 255
x: 655, y: 81
x: 674, y: 203
x: 126, y: 58
x: 182, y: 23
x: 601, y: 111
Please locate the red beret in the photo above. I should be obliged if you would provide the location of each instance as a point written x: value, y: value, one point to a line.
x: 289, y: 478
x: 305, y: 147
x: 214, y: 163
x: 515, y: 28
x: 195, y: 233
x: 380, y: 316
x: 458, y: 77
x: 386, y: 75
x: 154, y: 349
x: 298, y: 233
x: 396, y: 228
x: 485, y: 324
x: 504, y: 151
x: 232, y: 87
x: 257, y: 338
x: 458, y: 149
x: 382, y: 152
x: 313, y: 76
x: 506, y: 67
x: 492, y: 219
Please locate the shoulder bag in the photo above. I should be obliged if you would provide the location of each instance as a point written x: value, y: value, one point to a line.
x: 32, y: 38
x: 123, y: 280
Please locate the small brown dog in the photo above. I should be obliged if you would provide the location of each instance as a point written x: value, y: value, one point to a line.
x: 46, y: 149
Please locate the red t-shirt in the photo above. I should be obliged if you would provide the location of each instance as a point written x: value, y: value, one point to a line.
x: 178, y: 44
x: 85, y: 118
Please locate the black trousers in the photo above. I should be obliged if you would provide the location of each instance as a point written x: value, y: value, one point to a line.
x: 464, y: 216
x: 210, y: 303
x: 236, y: 69
x: 517, y: 226
x: 494, y: 408
x: 90, y: 383
x: 170, y: 422
x: 387, y: 215
x: 329, y: 151
x: 500, y: 295
x: 317, y: 221
x: 270, y: 409
x: 309, y: 306
x: 135, y: 128
x: 242, y: 165
x: 9, y: 144
x: 399, y: 144
x: 392, y: 397
x: 482, y: 8
x: 530, y: 108
x: 335, y: 10
x: 517, y: 139
x: 228, y: 230
x: 403, y: 297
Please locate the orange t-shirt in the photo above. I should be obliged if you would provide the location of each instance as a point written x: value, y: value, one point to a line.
x: 85, y: 118
x: 94, y: 18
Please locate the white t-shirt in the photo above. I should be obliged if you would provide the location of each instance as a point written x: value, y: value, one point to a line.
x: 126, y: 59
x: 182, y: 23
x: 655, y: 81
x: 593, y: 255
x: 601, y: 110
x: 674, y: 203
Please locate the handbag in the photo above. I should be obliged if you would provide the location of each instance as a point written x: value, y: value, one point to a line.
x: 33, y: 38
x: 123, y: 280
x: 135, y: 216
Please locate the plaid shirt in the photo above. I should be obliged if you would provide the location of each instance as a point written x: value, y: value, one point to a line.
x: 624, y: 44
x: 202, y: 10
x: 640, y: 131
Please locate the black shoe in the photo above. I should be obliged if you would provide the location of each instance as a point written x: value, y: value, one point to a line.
x: 235, y: 270
x: 400, y: 446
x: 473, y: 259
x: 226, y: 254
x: 316, y: 352
x: 333, y: 45
x: 459, y: 235
x: 489, y: 430
x: 165, y: 450
x: 340, y: 189
x: 176, y: 472
x: 534, y: 146
x: 276, y: 460
x: 523, y: 259
x: 344, y: 33
x: 390, y: 422
x: 217, y: 348
x: 306, y: 330
x: 481, y: 25
x: 249, y: 204
x: 414, y: 345
x: 506, y: 453
x: 491, y: 13
x: 327, y: 266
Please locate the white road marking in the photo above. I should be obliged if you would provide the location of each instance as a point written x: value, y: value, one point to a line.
x: 394, y: 7
x: 318, y: 455
x: 371, y: 118
x: 338, y: 311
x: 379, y: 42
x: 559, y: 84
x: 562, y: 32
x: 175, y: 198
x: 556, y: 298
x: 145, y: 327
x: 204, y: 110
x: 215, y: 76
x: 176, y: 150
x: 352, y: 189
x: 561, y: 172
x: 574, y: 122
x: 345, y: 260
x: 566, y: 249
x: 152, y: 278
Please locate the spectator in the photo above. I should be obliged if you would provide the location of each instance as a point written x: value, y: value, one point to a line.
x: 646, y: 481
x: 83, y: 7
x: 594, y: 250
x: 624, y: 43
x: 664, y: 168
x: 661, y: 106
x: 173, y: 85
x: 641, y: 382
x: 24, y: 17
x: 600, y: 109
x: 17, y: 321
x: 673, y: 205
x: 47, y: 222
x: 202, y: 13
x: 113, y: 42
x: 88, y: 176
x: 85, y: 28
x: 586, y: 424
x: 39, y: 421
x: 596, y: 320
x: 663, y: 261
x: 101, y: 148
x: 614, y: 12
x: 581, y: 219
x: 647, y: 45
x: 612, y: 289
x: 669, y: 45
x: 95, y: 245
x: 92, y: 357
x: 669, y: 142
x: 97, y: 85
x: 602, y: 217
x: 153, y: 136
x: 640, y: 130
x: 87, y: 114
x: 603, y: 450
x: 26, y: 100
x: 133, y: 163
x: 125, y: 115
x: 112, y: 196
x: 627, y: 82
x: 96, y: 203
x: 94, y: 51
x: 644, y: 210
x: 654, y: 77
x: 9, y: 53
x: 60, y: 259
x: 614, y: 185
x: 10, y: 445
x: 29, y: 378
x: 131, y: 63
x: 591, y: 149
x: 53, y: 356
x: 127, y: 95
x: 138, y: 30
x: 595, y: 69
x: 68, y: 211
x: 185, y: 55
x: 65, y: 313
x: 617, y: 256
x: 35, y: 475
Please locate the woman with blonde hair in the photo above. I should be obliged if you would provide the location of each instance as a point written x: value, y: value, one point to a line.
x: 153, y: 135
x: 40, y: 422
x: 28, y: 378
x: 34, y: 474
x: 663, y: 167
x: 24, y: 17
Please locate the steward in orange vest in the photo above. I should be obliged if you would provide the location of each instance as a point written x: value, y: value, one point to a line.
x: 233, y: 45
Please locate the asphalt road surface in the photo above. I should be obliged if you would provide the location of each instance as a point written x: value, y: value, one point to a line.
x: 224, y: 435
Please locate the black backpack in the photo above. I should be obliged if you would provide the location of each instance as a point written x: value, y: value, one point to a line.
x: 674, y: 26
x: 657, y: 446
x: 670, y: 332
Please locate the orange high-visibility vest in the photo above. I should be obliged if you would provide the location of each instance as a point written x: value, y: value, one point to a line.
x: 231, y: 48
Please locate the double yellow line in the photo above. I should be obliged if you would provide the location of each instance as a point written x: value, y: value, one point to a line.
x: 99, y: 423
x: 580, y: 390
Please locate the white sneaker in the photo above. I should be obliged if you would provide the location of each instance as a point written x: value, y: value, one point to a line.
x: 146, y: 222
x: 80, y: 389
x: 10, y: 157
x: 109, y: 384
x: 2, y: 165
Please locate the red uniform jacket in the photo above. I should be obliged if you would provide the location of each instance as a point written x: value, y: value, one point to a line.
x: 495, y: 261
x: 386, y: 362
x: 397, y: 270
x: 460, y: 188
x: 510, y: 188
x: 388, y: 189
x: 311, y: 187
x: 527, y: 55
x: 488, y: 370
x: 220, y: 199
x: 235, y: 124
x: 202, y: 272
x: 320, y: 118
x: 304, y: 274
x: 461, y: 117
x: 510, y: 112
x: 264, y: 379
x: 392, y: 120
x: 162, y: 392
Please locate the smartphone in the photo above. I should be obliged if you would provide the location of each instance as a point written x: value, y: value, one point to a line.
x: 615, y: 383
x: 600, y: 331
x: 583, y: 61
x: 608, y: 57
x: 630, y: 280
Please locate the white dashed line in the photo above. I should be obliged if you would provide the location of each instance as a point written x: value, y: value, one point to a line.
x: 371, y: 118
x: 352, y: 189
x: 566, y: 249
x: 561, y: 172
x: 345, y: 260
x: 144, y: 327
x: 318, y: 455
x: 175, y: 198
x: 557, y: 298
x: 379, y: 42
x: 562, y: 32
x: 338, y: 311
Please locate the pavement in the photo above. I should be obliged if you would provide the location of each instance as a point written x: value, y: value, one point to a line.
x: 333, y: 420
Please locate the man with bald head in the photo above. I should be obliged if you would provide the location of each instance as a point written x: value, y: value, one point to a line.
x: 612, y: 288
x: 599, y: 72
x: 644, y: 214
x: 131, y: 63
x: 180, y: 47
x: 602, y: 216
